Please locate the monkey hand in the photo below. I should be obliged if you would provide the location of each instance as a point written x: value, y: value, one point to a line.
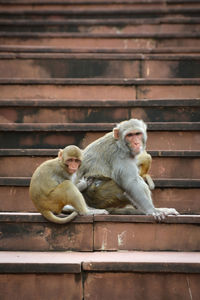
x: 82, y: 184
x: 160, y: 214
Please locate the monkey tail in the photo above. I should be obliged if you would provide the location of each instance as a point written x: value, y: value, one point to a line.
x: 150, y: 181
x: 52, y: 218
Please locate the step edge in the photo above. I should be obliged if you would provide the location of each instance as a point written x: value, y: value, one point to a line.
x: 25, y: 217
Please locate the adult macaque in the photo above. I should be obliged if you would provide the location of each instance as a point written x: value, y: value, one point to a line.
x: 111, y: 164
x: 52, y: 186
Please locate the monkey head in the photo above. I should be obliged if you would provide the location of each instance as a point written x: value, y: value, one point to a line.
x: 70, y: 157
x: 131, y: 136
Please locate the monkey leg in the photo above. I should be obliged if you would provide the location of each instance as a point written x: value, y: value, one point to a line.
x: 70, y: 195
x: 127, y: 210
x: 67, y: 193
x: 104, y: 193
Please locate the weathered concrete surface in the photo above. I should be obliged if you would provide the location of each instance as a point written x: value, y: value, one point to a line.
x: 139, y: 286
x: 126, y: 235
x: 31, y: 232
x: 157, y: 275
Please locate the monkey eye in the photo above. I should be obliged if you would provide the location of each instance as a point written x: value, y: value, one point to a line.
x: 130, y: 134
x: 74, y: 160
x: 70, y: 160
x: 138, y: 133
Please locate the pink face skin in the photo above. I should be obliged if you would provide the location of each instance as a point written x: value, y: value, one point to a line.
x: 134, y: 138
x: 72, y: 165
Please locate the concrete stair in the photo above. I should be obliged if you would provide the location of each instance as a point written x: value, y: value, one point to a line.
x: 69, y: 71
x: 31, y: 232
x: 92, y: 275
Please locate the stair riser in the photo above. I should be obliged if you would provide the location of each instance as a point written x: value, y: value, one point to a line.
x: 97, y: 114
x: 41, y: 286
x: 113, y: 28
x: 96, y: 285
x: 46, y: 236
x: 39, y: 5
x: 165, y: 167
x: 112, y: 43
x: 140, y: 286
x: 83, y: 14
x: 186, y: 201
x: 151, y: 237
x: 160, y: 140
x: 98, y: 92
x: 98, y: 68
x: 108, y: 236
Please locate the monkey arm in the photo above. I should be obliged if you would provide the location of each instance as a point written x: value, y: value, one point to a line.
x: 129, y: 180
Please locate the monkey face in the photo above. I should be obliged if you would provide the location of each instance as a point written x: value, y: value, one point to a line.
x: 72, y: 165
x: 134, y: 140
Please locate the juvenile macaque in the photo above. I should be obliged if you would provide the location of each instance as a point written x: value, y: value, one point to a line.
x: 52, y: 187
x: 111, y: 164
x: 144, y: 163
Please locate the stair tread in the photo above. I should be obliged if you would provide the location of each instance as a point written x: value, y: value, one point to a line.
x: 44, y: 49
x: 100, y: 81
x: 101, y: 35
x: 152, y: 126
x: 98, y: 11
x: 102, y: 21
x: 160, y: 183
x: 41, y: 2
x: 37, y: 217
x: 49, y: 152
x: 101, y: 103
x: 104, y: 56
x: 73, y: 262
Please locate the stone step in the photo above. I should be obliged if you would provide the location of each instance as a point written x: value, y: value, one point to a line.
x: 42, y: 275
x: 10, y: 49
x: 98, y: 65
x: 94, y: 40
x: 162, y: 136
x: 99, y: 89
x: 90, y: 5
x: 182, y: 194
x: 182, y: 166
x: 31, y: 232
x: 114, y: 26
x: 94, y: 13
x: 59, y: 111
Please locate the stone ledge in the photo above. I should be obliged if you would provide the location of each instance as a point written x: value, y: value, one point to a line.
x: 21, y: 217
x: 74, y: 262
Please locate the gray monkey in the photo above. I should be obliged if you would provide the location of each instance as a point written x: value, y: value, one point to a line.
x: 110, y: 165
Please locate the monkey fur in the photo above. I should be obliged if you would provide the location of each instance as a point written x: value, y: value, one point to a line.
x: 112, y: 164
x: 52, y: 187
x: 144, y: 161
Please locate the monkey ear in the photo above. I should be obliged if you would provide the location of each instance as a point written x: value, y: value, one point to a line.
x: 60, y: 152
x: 116, y: 133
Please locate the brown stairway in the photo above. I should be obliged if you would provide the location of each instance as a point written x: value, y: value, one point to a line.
x: 69, y: 70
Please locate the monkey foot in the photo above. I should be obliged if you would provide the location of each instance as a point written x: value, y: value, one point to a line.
x: 94, y: 211
x: 161, y: 213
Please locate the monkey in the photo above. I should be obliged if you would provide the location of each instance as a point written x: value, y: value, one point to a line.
x: 53, y: 186
x: 144, y: 161
x: 110, y: 163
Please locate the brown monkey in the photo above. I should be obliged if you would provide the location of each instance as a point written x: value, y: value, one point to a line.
x: 144, y: 161
x: 52, y: 187
x: 111, y: 163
